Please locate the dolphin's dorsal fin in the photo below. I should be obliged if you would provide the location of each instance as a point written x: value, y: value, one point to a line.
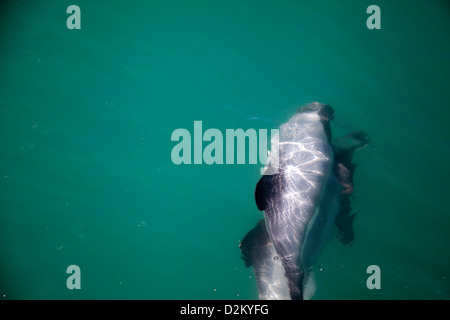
x: 264, y: 191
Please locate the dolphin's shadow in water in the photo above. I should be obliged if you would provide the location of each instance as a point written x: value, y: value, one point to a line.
x: 344, y: 149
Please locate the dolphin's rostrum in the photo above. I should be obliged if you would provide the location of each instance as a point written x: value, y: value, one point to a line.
x: 303, y: 203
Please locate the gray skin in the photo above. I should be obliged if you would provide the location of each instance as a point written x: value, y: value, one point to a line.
x: 300, y: 204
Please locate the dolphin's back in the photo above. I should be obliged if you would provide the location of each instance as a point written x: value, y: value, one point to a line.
x: 289, y: 197
x: 302, y: 204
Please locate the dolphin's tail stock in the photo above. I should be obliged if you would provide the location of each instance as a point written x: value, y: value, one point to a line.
x: 295, y: 276
x: 345, y: 147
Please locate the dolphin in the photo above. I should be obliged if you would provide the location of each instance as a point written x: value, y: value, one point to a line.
x: 304, y: 203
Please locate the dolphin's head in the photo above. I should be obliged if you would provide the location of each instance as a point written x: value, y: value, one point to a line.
x: 311, y: 118
x: 324, y: 111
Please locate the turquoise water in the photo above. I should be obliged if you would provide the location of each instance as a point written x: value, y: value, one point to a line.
x: 86, y: 118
